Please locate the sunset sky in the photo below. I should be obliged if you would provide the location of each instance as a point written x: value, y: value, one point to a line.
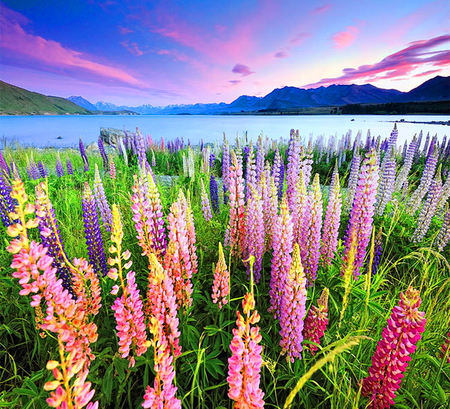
x: 175, y: 52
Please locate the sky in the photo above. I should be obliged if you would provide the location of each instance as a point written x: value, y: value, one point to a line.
x: 182, y: 52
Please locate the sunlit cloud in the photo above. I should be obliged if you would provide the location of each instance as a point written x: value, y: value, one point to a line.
x: 344, y: 38
x: 426, y: 73
x: 402, y: 63
x: 242, y: 69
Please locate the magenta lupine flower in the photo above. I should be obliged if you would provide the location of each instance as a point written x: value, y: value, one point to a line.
x: 192, y: 238
x: 428, y: 209
x: 387, y: 182
x: 236, y: 227
x: 311, y: 227
x: 254, y: 237
x: 361, y: 213
x: 292, y: 308
x: 221, y: 283
x: 3, y: 165
x: 206, y: 207
x: 281, y: 257
x: 244, y: 365
x: 443, y: 236
x: 162, y: 394
x: 93, y: 235
x: 101, y: 201
x: 445, y: 348
x: 332, y: 220
x: 352, y: 180
x: 316, y: 321
x: 298, y: 208
x: 390, y: 360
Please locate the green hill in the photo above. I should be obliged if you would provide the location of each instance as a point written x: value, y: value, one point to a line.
x: 19, y: 101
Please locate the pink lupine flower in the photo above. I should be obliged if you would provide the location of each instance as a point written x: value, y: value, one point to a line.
x: 244, y: 365
x: 316, y: 321
x: 206, y: 206
x: 390, y: 360
x: 221, y: 285
x: 281, y: 258
x: 190, y: 230
x: 293, y: 308
x: 299, y: 208
x: 112, y: 169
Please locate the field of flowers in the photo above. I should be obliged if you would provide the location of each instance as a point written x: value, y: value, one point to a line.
x: 280, y: 274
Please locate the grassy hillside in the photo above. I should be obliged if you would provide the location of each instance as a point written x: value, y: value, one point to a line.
x: 18, y: 101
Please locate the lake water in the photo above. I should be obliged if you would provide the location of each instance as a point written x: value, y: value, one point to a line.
x: 43, y: 131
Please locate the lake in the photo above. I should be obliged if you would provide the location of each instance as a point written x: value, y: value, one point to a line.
x: 43, y: 131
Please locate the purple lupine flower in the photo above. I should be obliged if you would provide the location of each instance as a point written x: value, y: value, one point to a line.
x: 33, y: 171
x: 101, y: 201
x: 425, y: 182
x: 212, y: 160
x: 259, y: 163
x: 83, y: 155
x: 206, y: 208
x: 293, y: 308
x: 387, y: 181
x: 69, y: 167
x: 213, y: 192
x: 390, y: 360
x: 51, y: 236
x: 6, y: 201
x: 378, y: 251
x: 316, y: 321
x: 101, y: 148
x: 42, y: 170
x: 361, y: 213
x: 93, y: 234
x: 443, y: 236
x: 254, y: 238
x: 332, y: 220
x: 428, y: 209
x: 352, y: 180
x: 3, y: 164
x: 59, y: 168
x: 278, y: 173
x: 225, y: 168
x: 311, y: 228
x: 281, y: 257
x: 405, y: 169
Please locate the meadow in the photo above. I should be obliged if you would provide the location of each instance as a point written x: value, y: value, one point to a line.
x: 281, y: 274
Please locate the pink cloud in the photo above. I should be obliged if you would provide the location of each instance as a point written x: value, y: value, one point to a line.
x: 133, y: 48
x: 242, y: 69
x: 402, y: 63
x: 321, y: 9
x: 424, y: 74
x: 125, y: 30
x: 299, y: 38
x: 343, y: 39
x: 19, y: 46
x: 174, y: 54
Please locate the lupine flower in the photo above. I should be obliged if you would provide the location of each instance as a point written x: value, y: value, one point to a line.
x: 311, y: 227
x: 112, y: 169
x: 390, y: 360
x: 59, y: 168
x: 128, y: 309
x: 206, y: 207
x: 316, y: 321
x: 270, y: 207
x: 221, y: 283
x: 69, y: 167
x: 445, y: 194
x: 190, y: 230
x: 278, y: 173
x: 250, y: 175
x: 281, y: 257
x: 332, y: 220
x: 259, y: 163
x: 4, y: 165
x: 445, y: 349
x: 407, y: 163
x: 83, y: 155
x: 92, y: 232
x: 293, y: 167
x: 42, y: 170
x: 213, y: 192
x: 244, y: 365
x: 292, y: 308
x: 254, y: 237
x: 162, y: 394
x: 378, y: 250
x: 6, y: 201
x: 226, y: 162
x: 352, y: 180
x: 428, y: 209
x: 236, y: 227
x: 361, y: 213
x: 443, y: 236
x: 387, y: 181
x: 298, y: 208
x: 101, y: 148
x: 101, y: 201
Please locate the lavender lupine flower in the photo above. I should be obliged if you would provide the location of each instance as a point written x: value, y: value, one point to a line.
x: 42, y: 170
x: 316, y: 321
x: 407, y: 163
x: 387, y: 180
x: 293, y: 166
x: 298, y: 208
x: 428, y: 209
x: 83, y: 155
x: 332, y: 220
x: 59, y: 168
x: 281, y: 258
x: 226, y: 162
x: 206, y: 208
x: 361, y: 213
x: 278, y: 173
x: 101, y: 201
x: 259, y: 159
x: 443, y: 236
x: 311, y: 228
x: 140, y: 149
x: 93, y: 234
x: 254, y: 238
x: 101, y: 148
x: 6, y: 201
x: 293, y: 309
x: 69, y: 167
x: 214, y: 194
x: 425, y: 182
x: 352, y: 180
x: 390, y: 360
x: 445, y: 194
x: 51, y: 236
x: 250, y: 174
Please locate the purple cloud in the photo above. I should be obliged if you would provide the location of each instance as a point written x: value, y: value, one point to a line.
x: 234, y: 82
x: 281, y: 54
x: 242, y: 69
